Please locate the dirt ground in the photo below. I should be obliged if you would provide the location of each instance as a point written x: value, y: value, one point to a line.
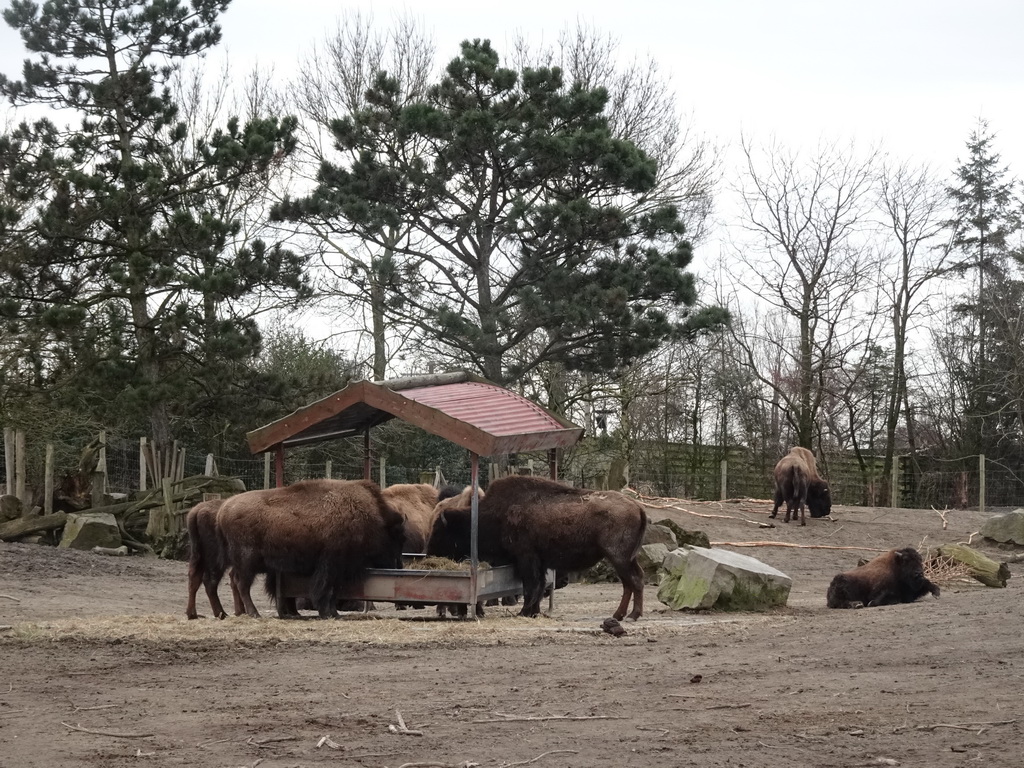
x: 101, y: 643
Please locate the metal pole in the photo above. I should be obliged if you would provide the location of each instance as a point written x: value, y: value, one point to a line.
x: 279, y: 466
x: 266, y: 471
x: 474, y: 531
x: 553, y: 463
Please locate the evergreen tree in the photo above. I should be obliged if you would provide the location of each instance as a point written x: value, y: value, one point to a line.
x: 985, y: 218
x: 136, y: 265
x: 525, y: 216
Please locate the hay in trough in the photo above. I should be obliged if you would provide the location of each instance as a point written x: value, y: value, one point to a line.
x: 435, y: 563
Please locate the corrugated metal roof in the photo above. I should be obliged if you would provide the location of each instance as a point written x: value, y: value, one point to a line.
x: 465, y: 409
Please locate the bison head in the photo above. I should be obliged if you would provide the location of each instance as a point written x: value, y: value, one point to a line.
x: 819, y: 499
x: 450, y: 535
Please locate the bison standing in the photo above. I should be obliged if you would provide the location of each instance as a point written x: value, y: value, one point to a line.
x: 895, y: 577
x: 328, y: 530
x: 415, y: 502
x: 798, y: 484
x: 206, y: 562
x: 538, y: 524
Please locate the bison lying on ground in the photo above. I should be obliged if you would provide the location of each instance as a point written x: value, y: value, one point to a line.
x: 206, y: 562
x: 895, y: 577
x: 538, y: 524
x: 798, y: 484
x: 328, y: 530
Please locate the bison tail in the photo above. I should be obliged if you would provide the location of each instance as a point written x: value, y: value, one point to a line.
x: 270, y: 585
x: 195, y: 543
x: 640, y: 533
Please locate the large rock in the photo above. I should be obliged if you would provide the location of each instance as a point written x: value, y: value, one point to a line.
x: 685, y: 536
x: 10, y: 508
x: 86, y: 531
x: 650, y: 557
x: 1005, y: 528
x: 657, y: 533
x: 716, y: 578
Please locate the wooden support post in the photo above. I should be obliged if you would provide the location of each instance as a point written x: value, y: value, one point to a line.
x: 327, y: 470
x: 19, y: 466
x: 142, y: 463
x: 725, y: 479
x: 97, y: 489
x: 981, y: 482
x: 894, y: 484
x: 48, y: 481
x: 101, y: 464
x: 9, y: 460
x: 383, y: 473
x: 266, y: 471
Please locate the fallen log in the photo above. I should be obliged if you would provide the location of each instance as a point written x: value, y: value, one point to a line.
x: 24, y: 526
x: 787, y: 544
x: 983, y: 568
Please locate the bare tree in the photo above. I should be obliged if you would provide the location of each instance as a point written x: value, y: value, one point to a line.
x: 809, y: 256
x: 911, y: 202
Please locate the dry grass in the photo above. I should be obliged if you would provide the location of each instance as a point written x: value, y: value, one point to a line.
x: 942, y: 569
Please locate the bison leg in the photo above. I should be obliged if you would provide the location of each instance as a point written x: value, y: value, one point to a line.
x: 195, y: 578
x: 632, y: 577
x: 211, y: 580
x: 236, y: 598
x: 242, y: 579
x: 531, y: 571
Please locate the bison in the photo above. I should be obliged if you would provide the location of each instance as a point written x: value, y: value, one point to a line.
x: 328, y: 530
x: 895, y: 577
x: 798, y: 484
x: 415, y: 502
x: 206, y: 562
x: 539, y: 524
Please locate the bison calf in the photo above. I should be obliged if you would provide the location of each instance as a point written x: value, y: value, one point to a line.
x: 895, y: 577
x: 798, y: 484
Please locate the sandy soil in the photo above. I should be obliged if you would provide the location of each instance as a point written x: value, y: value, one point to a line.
x: 101, y: 643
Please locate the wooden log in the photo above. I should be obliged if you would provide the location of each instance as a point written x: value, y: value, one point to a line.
x: 24, y: 526
x: 984, y: 569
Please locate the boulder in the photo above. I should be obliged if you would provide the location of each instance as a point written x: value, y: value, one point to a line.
x: 684, y: 536
x: 88, y: 530
x: 657, y: 533
x: 10, y: 508
x: 650, y: 558
x: 716, y: 578
x: 1008, y: 528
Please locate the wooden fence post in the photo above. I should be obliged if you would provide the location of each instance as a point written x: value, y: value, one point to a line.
x: 211, y: 466
x: 894, y: 483
x: 101, y: 465
x: 48, y: 481
x: 725, y: 478
x: 981, y: 482
x: 327, y: 469
x: 19, y: 466
x: 266, y: 471
x: 383, y: 473
x: 142, y: 463
x: 9, y: 460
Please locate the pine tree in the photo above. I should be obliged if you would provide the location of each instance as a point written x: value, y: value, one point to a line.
x: 136, y: 259
x: 527, y: 219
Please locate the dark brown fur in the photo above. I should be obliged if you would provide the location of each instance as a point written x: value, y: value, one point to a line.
x: 895, y: 577
x: 798, y: 484
x: 206, y: 562
x: 538, y: 524
x: 328, y: 530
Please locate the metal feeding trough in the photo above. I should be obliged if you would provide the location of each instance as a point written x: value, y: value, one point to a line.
x: 420, y: 587
x: 484, y: 418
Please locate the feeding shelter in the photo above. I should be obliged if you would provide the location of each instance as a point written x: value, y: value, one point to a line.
x: 484, y: 418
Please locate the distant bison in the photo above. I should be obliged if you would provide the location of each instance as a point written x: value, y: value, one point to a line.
x: 206, y: 562
x: 328, y: 530
x: 539, y: 524
x: 895, y: 577
x: 798, y: 484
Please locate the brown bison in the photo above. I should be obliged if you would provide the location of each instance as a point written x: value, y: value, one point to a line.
x: 539, y: 524
x: 328, y: 530
x: 415, y: 502
x: 206, y: 562
x: 798, y: 484
x: 895, y: 577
